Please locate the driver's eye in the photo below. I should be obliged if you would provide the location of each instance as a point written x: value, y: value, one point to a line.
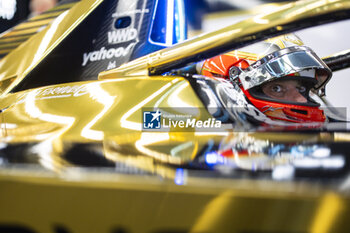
x: 277, y: 88
x: 302, y: 89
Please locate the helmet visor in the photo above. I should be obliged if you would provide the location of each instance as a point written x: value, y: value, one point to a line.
x: 298, y: 61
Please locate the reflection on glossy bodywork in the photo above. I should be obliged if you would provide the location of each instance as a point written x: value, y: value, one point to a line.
x: 88, y: 136
x: 53, y: 34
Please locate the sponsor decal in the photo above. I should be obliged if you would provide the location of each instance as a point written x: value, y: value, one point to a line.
x: 104, y: 54
x: 8, y: 9
x: 112, y: 65
x: 153, y: 120
x: 122, y: 35
x: 57, y: 92
x: 66, y: 91
x: 132, y: 12
x: 269, y: 109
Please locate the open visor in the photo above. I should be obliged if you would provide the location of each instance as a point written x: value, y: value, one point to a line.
x: 292, y: 60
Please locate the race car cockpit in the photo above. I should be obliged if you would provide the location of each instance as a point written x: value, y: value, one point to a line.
x: 279, y: 77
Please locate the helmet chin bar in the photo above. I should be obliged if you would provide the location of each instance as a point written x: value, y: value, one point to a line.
x: 291, y: 112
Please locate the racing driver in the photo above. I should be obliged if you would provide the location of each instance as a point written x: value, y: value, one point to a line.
x: 278, y: 76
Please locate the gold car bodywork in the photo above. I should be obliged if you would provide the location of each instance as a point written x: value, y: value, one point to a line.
x: 108, y: 110
x: 12, y: 38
